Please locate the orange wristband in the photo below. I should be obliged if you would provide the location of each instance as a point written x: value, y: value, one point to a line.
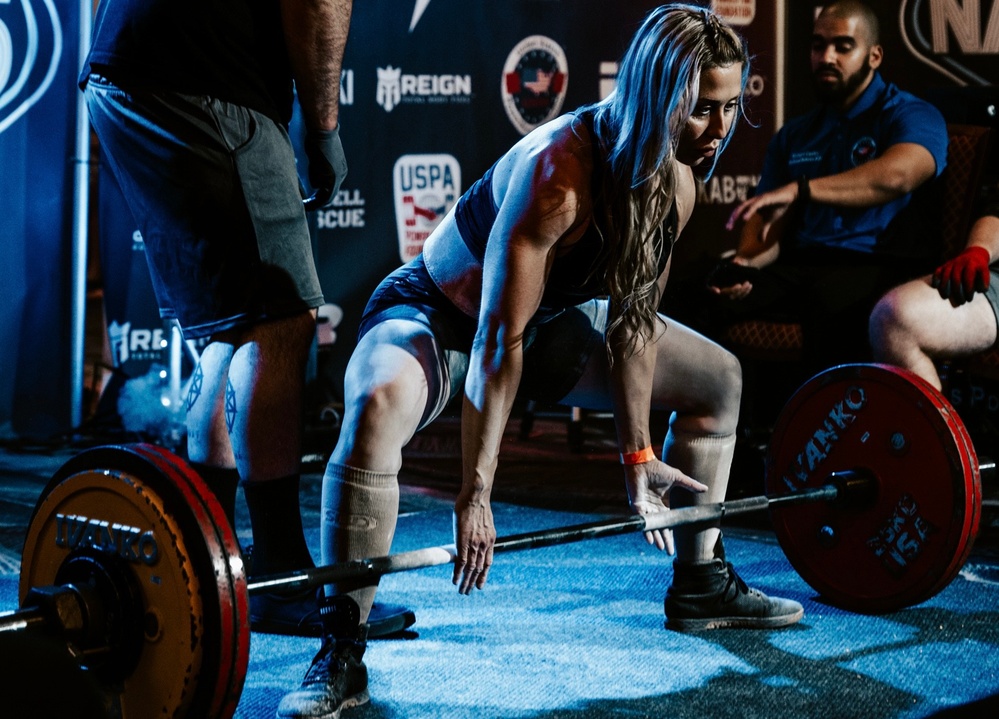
x: 640, y: 457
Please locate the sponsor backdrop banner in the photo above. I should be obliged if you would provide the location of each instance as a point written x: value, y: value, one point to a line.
x: 433, y: 91
x: 38, y: 66
x: 136, y: 334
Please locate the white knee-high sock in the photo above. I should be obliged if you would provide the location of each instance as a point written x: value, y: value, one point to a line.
x: 359, y: 513
x: 708, y: 459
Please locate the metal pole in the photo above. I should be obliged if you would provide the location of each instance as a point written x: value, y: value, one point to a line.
x: 81, y: 202
x: 436, y: 556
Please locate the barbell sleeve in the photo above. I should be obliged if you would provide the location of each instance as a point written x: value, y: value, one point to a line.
x: 445, y: 554
x: 21, y: 620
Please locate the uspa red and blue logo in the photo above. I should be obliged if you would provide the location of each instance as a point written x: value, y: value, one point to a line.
x: 30, y: 49
x: 425, y: 188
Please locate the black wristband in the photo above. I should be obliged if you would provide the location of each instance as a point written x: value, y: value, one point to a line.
x: 804, y: 190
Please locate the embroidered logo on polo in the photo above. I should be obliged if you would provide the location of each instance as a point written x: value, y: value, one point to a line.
x: 802, y: 158
x: 863, y: 150
x: 30, y: 49
x: 535, y: 77
x: 958, y: 39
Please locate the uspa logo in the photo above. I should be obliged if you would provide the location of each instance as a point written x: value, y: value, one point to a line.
x: 426, y: 188
x: 958, y: 39
x: 30, y: 49
x: 535, y: 77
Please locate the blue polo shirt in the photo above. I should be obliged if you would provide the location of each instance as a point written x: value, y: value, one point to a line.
x: 826, y: 142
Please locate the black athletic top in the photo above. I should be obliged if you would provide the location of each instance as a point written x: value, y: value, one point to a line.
x: 233, y: 50
x: 578, y: 275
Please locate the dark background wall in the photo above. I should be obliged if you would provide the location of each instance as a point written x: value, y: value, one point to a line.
x: 433, y: 92
x: 38, y: 66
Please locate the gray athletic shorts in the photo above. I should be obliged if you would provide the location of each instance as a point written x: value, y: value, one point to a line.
x: 214, y: 191
x: 992, y: 294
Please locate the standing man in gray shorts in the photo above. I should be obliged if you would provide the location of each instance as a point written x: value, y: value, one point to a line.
x: 951, y: 313
x: 191, y: 101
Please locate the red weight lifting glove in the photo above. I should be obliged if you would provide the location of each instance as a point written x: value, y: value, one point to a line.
x: 960, y: 278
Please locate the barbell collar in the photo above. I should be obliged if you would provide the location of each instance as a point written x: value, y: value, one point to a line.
x: 445, y: 554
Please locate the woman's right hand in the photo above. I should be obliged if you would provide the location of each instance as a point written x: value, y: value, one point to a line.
x: 474, y: 537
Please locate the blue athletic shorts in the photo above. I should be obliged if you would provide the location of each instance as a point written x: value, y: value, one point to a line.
x: 214, y: 191
x: 555, y: 354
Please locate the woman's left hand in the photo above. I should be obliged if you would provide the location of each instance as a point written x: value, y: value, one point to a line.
x: 648, y: 486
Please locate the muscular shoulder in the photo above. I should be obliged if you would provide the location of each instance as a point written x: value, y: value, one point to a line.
x: 686, y: 192
x: 911, y: 119
x: 549, y: 171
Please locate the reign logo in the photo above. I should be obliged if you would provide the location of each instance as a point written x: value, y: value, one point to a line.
x: 959, y: 38
x: 30, y: 48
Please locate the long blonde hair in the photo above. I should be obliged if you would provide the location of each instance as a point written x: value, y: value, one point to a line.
x: 659, y: 77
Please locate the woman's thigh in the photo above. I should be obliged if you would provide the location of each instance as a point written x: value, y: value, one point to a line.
x: 398, y: 380
x: 693, y: 376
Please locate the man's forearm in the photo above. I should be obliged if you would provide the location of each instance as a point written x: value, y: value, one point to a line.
x: 899, y: 171
x: 316, y: 35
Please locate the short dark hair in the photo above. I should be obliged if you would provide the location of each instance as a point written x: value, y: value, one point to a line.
x: 856, y: 8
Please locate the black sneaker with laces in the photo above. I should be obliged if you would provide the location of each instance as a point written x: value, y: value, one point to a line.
x: 337, y: 678
x: 711, y: 595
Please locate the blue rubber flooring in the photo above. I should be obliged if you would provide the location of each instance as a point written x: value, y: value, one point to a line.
x: 576, y: 631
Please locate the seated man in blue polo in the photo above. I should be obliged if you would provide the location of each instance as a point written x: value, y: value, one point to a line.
x: 838, y: 218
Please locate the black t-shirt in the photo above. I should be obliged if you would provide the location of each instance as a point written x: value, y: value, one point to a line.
x: 233, y: 50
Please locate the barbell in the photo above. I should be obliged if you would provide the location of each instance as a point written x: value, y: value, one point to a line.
x: 872, y: 483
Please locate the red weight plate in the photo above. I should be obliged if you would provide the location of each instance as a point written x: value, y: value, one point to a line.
x: 228, y: 627
x: 912, y: 538
x: 972, y: 473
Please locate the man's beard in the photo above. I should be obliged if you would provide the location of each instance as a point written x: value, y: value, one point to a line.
x: 837, y: 93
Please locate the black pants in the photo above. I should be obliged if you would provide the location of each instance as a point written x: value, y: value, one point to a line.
x: 829, y: 292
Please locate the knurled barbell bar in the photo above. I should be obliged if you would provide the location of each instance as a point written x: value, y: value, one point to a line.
x: 872, y: 483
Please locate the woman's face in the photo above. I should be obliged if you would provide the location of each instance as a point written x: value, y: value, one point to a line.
x: 716, y: 109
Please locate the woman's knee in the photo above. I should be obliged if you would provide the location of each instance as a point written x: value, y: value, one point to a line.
x: 728, y: 388
x: 713, y: 394
x: 385, y: 395
x: 374, y: 431
x: 381, y: 390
